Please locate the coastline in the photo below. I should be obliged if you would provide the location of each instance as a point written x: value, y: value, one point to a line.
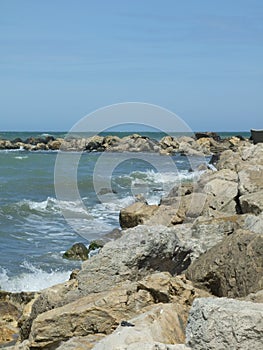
x: 167, y: 256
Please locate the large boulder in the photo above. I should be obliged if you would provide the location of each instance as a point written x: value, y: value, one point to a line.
x: 163, y: 323
x: 225, y: 324
x: 233, y: 267
x: 102, y: 312
x: 221, y: 190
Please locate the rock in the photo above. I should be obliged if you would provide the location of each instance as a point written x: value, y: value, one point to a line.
x: 19, y: 346
x: 250, y: 179
x: 13, y: 307
x: 55, y: 145
x: 136, y: 214
x: 94, y: 143
x: 95, y: 245
x: 49, y: 298
x: 163, y: 323
x: 251, y: 222
x: 221, y: 190
x: 232, y: 268
x: 77, y: 252
x: 81, y: 343
x: 252, y: 203
x: 104, y: 191
x: 169, y: 142
x: 255, y: 297
x: 212, y: 135
x: 222, y: 324
x: 102, y: 312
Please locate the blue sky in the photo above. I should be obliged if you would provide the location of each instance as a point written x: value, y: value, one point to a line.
x: 62, y: 59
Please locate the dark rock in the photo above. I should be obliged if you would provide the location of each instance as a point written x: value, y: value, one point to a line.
x: 95, y: 245
x: 77, y: 252
x: 212, y: 135
x: 105, y: 190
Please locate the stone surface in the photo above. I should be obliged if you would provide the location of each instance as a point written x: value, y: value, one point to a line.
x: 162, y: 323
x: 232, y: 268
x: 255, y: 297
x: 102, y: 312
x: 225, y: 324
x: 250, y: 178
x: 136, y: 214
x: 252, y: 203
x: 81, y: 343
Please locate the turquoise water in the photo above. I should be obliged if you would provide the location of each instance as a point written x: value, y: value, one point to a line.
x: 33, y: 231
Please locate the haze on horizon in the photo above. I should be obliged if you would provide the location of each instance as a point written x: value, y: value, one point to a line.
x: 61, y: 60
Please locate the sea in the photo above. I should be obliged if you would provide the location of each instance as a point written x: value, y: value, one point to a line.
x: 34, y: 230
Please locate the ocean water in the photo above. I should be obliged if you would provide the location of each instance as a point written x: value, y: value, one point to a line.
x: 33, y: 231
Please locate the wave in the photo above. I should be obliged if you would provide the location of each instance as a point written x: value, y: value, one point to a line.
x: 35, y: 279
x: 50, y: 205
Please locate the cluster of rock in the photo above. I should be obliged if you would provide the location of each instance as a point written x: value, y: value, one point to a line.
x: 185, y: 274
x: 198, y: 144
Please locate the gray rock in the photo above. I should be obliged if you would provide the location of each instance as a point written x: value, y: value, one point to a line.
x: 225, y: 324
x: 232, y: 268
x: 139, y: 251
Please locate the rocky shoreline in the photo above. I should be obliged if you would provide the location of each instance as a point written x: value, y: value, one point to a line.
x: 186, y: 274
x: 198, y: 144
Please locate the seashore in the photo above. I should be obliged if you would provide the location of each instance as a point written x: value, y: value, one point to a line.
x: 184, y: 274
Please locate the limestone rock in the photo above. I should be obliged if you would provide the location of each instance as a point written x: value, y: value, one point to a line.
x: 163, y: 323
x: 102, y: 312
x: 225, y: 324
x: 232, y: 268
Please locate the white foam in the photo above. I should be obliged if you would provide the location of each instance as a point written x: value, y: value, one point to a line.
x: 20, y: 157
x: 34, y: 280
x: 52, y: 204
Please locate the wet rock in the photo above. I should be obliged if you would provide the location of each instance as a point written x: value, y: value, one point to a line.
x: 223, y: 323
x: 77, y: 252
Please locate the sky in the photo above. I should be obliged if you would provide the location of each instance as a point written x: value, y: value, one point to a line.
x: 62, y: 59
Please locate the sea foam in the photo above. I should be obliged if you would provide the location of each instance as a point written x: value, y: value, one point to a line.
x: 35, y: 279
